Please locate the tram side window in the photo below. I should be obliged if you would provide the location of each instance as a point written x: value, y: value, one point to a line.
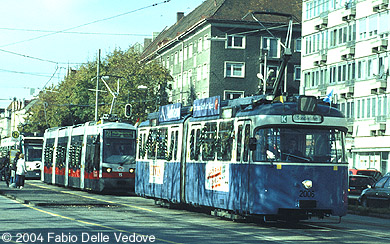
x: 209, y: 134
x: 141, y: 146
x: 48, y: 153
x: 245, y: 157
x: 92, y: 154
x: 239, y: 143
x: 75, y: 152
x: 225, y: 141
x: 193, y: 155
x: 195, y: 144
x: 151, y: 144
x: 173, y: 146
x: 61, y: 152
x: 162, y: 143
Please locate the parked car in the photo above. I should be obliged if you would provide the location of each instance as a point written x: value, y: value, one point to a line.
x: 357, y: 183
x: 378, y: 195
x: 369, y: 172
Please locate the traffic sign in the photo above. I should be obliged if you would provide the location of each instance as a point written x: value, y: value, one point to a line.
x: 15, y: 134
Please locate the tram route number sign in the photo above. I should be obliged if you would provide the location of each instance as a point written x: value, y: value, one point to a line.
x: 15, y: 134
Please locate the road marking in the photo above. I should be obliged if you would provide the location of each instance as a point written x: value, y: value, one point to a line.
x: 88, y: 223
x: 93, y: 198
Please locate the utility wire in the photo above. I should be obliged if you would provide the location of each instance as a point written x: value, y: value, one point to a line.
x: 24, y: 73
x: 27, y: 56
x: 89, y: 23
x: 31, y: 57
x: 75, y: 32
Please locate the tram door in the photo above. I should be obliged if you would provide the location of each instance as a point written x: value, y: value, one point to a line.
x: 242, y: 161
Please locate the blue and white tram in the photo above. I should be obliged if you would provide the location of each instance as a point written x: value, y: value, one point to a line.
x: 97, y: 156
x: 248, y: 157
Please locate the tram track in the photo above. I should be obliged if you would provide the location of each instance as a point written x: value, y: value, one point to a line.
x: 279, y: 232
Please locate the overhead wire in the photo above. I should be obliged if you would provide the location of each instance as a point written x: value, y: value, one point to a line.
x: 74, y: 32
x: 89, y: 23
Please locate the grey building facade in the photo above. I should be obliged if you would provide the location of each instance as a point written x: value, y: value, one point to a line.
x: 219, y: 49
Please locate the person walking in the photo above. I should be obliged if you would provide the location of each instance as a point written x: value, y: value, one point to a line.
x: 5, y: 172
x: 20, y: 171
x: 12, y: 168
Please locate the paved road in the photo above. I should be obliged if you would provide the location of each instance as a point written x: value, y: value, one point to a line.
x: 43, y: 213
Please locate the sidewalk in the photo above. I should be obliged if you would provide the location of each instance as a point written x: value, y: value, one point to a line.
x: 38, y: 193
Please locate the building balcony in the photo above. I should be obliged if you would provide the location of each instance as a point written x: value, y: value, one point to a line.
x: 321, y: 60
x: 322, y: 24
x: 347, y: 93
x: 348, y: 14
x: 379, y: 87
x: 348, y: 53
x: 380, y: 5
x: 379, y: 45
x: 378, y: 129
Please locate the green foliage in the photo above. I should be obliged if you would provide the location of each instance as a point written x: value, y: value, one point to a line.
x: 72, y: 101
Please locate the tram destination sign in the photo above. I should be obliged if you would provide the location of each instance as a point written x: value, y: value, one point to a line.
x: 308, y: 118
x: 119, y: 134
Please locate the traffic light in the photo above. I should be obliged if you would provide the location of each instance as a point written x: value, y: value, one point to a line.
x: 128, y: 109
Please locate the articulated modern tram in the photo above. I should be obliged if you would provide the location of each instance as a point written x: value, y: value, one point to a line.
x: 96, y: 156
x: 246, y: 157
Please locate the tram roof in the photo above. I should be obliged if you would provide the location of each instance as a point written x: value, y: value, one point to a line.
x: 248, y: 106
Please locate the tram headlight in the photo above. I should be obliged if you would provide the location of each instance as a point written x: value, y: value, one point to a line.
x: 307, y: 184
x: 131, y: 170
x: 108, y: 170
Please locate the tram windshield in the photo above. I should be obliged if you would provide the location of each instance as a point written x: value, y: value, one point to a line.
x: 299, y: 145
x: 33, y: 152
x: 119, y: 146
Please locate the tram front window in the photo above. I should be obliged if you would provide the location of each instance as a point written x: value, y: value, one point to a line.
x: 118, y: 147
x: 33, y: 153
x: 299, y: 145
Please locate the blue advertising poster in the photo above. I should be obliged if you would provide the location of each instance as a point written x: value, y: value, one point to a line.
x: 207, y: 107
x: 169, y: 112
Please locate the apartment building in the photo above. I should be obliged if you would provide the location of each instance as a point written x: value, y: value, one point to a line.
x: 219, y: 49
x: 345, y: 50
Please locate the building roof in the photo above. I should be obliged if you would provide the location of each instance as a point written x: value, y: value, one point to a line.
x: 225, y: 10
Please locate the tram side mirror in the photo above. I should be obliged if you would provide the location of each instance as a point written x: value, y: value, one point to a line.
x: 307, y: 104
x: 252, y: 144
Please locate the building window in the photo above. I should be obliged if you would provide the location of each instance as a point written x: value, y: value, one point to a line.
x: 229, y: 95
x: 234, y: 69
x: 206, y: 42
x: 176, y: 58
x: 181, y: 56
x: 199, y: 73
x: 362, y: 29
x: 204, y: 72
x: 190, y: 50
x: 297, y: 72
x: 235, y: 41
x: 271, y: 45
x: 298, y: 45
x: 200, y: 45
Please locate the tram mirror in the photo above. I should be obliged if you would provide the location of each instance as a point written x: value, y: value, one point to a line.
x: 252, y: 144
x: 307, y: 104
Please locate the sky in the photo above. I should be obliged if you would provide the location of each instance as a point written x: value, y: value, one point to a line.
x: 40, y: 39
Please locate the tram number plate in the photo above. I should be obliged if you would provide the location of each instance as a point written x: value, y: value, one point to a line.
x: 306, y: 193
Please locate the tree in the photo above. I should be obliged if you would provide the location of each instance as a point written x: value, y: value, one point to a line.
x: 72, y: 101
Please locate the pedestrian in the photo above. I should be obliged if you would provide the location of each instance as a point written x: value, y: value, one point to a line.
x: 13, y: 170
x: 4, y: 172
x: 20, y: 171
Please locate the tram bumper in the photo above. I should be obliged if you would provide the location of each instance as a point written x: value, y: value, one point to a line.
x: 116, y: 185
